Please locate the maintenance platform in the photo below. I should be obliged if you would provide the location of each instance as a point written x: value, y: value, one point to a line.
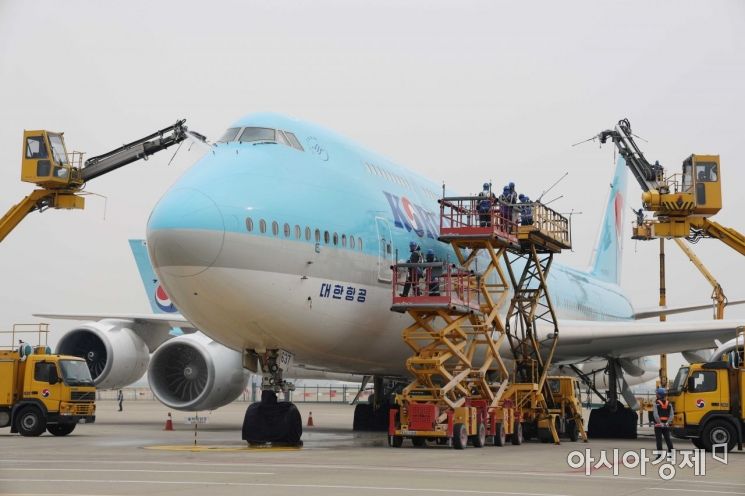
x: 462, y: 391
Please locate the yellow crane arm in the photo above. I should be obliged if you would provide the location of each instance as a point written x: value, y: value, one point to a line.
x: 717, y: 295
x: 726, y: 235
x: 37, y: 200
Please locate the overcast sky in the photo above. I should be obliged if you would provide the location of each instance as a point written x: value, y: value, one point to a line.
x: 459, y: 91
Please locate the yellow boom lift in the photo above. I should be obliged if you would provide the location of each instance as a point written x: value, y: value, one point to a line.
x: 61, y: 176
x: 682, y: 205
x: 462, y: 390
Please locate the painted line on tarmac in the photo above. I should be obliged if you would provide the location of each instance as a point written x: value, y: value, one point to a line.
x: 485, y: 472
x: 692, y: 490
x: 295, y: 486
x: 146, y: 471
x: 218, y: 448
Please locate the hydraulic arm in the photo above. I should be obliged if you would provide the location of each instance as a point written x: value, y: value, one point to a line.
x: 46, y: 163
x: 647, y: 175
x: 132, y: 152
x: 709, y: 228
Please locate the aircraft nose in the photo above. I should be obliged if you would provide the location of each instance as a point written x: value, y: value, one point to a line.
x: 185, y: 232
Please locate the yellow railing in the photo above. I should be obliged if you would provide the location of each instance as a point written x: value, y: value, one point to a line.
x: 41, y: 331
x: 551, y: 223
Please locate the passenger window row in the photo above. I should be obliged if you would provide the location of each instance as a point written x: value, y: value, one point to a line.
x: 395, y: 178
x: 254, y: 134
x: 306, y: 234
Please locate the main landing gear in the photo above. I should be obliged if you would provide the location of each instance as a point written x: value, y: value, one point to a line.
x: 270, y: 420
x: 613, y: 420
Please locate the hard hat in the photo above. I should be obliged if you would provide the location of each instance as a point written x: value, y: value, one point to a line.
x: 430, y: 252
x: 486, y: 185
x: 506, y: 188
x: 512, y: 185
x: 522, y: 197
x: 412, y: 246
x: 661, y: 391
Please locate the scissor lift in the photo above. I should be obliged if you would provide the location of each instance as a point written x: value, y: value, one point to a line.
x: 462, y: 389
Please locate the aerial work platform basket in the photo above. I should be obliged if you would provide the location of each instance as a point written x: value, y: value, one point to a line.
x: 462, y: 390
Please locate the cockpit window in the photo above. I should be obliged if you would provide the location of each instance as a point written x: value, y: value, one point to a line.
x: 293, y: 141
x: 257, y: 134
x: 229, y: 135
x: 254, y: 134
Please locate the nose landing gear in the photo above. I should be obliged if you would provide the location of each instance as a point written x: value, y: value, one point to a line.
x: 271, y: 421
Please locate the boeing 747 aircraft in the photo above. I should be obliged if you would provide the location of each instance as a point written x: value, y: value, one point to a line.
x: 278, y: 244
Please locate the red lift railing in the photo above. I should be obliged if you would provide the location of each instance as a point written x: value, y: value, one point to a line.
x: 478, y: 217
x: 433, y: 285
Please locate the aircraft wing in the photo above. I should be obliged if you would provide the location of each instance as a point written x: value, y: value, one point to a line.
x: 584, y: 340
x: 158, y: 320
x: 654, y: 312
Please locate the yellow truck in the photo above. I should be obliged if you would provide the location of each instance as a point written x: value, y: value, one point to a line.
x: 41, y: 391
x: 708, y: 404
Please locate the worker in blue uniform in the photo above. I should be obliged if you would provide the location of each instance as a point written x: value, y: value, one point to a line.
x: 414, y: 273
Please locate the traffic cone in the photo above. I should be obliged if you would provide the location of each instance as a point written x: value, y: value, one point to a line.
x: 310, y: 419
x: 169, y: 423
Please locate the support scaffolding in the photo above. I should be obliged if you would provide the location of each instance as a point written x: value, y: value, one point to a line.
x: 462, y: 389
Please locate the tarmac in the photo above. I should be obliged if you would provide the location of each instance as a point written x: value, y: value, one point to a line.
x: 128, y: 452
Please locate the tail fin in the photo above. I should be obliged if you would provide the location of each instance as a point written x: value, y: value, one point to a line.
x: 156, y: 295
x: 606, y: 264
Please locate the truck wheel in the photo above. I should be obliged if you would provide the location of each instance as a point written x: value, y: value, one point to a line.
x: 31, y: 422
x: 544, y: 435
x: 500, y: 439
x: 479, y: 440
x: 395, y: 441
x: 419, y: 442
x: 60, y: 429
x: 460, y: 436
x: 4, y: 417
x: 517, y: 434
x: 572, y: 430
x: 718, y: 432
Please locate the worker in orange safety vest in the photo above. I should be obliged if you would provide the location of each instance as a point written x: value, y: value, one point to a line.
x: 663, y: 419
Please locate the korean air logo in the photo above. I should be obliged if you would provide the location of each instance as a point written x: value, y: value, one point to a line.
x: 412, y: 217
x: 163, y: 300
x: 700, y: 403
x: 45, y: 393
x: 618, y: 204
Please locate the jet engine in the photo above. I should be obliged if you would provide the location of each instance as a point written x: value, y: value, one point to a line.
x: 115, y: 355
x: 192, y: 372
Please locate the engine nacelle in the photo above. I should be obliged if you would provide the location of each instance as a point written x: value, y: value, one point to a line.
x: 192, y: 373
x: 115, y: 355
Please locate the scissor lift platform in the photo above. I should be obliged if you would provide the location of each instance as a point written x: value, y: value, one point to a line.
x: 462, y: 391
x: 434, y: 286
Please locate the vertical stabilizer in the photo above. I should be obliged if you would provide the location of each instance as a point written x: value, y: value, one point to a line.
x: 606, y: 263
x: 156, y: 295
